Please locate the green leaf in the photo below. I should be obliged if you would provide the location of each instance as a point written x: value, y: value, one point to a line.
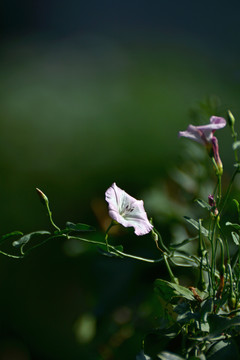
x: 206, y: 309
x: 165, y: 355
x: 219, y: 324
x: 182, y: 243
x: 195, y: 224
x: 236, y: 145
x: 237, y: 205
x: 203, y: 204
x: 12, y: 234
x: 168, y: 290
x: 26, y: 238
x: 161, y: 339
x: 111, y: 252
x: 185, y: 314
x: 142, y: 356
x: 79, y: 227
x: 235, y: 237
x: 235, y: 226
x: 222, y: 350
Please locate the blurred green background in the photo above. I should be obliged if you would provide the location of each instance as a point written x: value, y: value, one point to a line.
x: 92, y: 93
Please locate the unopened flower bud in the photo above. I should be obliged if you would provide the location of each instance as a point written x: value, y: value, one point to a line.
x: 212, y: 203
x: 231, y: 119
x: 232, y: 301
x: 154, y: 236
x: 43, y: 197
x: 211, y: 200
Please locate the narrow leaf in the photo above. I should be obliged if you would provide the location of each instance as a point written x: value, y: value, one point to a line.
x: 26, y: 238
x: 182, y: 243
x: 237, y: 205
x: 235, y: 237
x: 203, y: 204
x: 79, y: 227
x: 235, y: 226
x: 195, y: 224
x: 165, y: 355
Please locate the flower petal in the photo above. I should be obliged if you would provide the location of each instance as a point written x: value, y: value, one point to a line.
x: 204, y: 133
x: 138, y: 219
x: 192, y: 133
x: 218, y: 122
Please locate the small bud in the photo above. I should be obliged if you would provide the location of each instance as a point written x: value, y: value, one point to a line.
x: 211, y: 200
x: 231, y: 119
x: 154, y: 236
x: 212, y: 203
x: 232, y: 302
x: 42, y: 196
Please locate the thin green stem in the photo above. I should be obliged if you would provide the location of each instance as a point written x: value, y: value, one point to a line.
x: 50, y: 217
x: 234, y: 134
x: 201, y: 282
x: 213, y: 257
x: 172, y: 277
x: 115, y: 250
x: 231, y: 280
x: 10, y: 255
x: 219, y: 189
x: 43, y: 242
x: 229, y: 189
x: 161, y: 241
x: 106, y: 234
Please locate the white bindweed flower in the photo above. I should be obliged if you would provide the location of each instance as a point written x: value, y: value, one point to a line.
x: 127, y: 211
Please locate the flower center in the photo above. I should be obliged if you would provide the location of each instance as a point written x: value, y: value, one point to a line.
x: 127, y: 209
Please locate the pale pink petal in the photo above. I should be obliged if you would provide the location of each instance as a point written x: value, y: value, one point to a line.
x: 219, y: 122
x: 192, y: 133
x: 204, y: 133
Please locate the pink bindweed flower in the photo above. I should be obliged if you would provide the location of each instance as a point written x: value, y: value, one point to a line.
x: 127, y: 211
x: 204, y: 135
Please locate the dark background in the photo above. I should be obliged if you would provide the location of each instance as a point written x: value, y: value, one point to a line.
x: 91, y: 93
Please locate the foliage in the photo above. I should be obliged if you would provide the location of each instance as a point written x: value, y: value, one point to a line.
x: 200, y: 321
